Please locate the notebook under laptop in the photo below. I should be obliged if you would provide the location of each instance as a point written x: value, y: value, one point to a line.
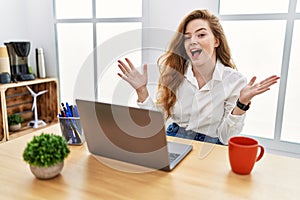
x: 129, y: 134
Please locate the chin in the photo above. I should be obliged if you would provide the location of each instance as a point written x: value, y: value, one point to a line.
x: 201, y: 61
x: 198, y: 62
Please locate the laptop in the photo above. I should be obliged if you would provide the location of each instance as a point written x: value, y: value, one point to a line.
x: 129, y: 134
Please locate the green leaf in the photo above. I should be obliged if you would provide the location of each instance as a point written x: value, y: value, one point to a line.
x: 46, y: 150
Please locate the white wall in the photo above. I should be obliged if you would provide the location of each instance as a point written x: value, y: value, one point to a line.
x: 40, y: 22
x: 30, y: 20
x: 12, y: 20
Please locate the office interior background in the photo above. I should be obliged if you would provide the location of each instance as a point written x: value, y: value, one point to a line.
x: 87, y: 36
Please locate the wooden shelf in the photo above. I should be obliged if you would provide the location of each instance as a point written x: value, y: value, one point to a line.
x: 16, y: 99
x: 27, y: 130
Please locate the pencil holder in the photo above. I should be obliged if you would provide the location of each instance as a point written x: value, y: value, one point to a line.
x: 72, y: 130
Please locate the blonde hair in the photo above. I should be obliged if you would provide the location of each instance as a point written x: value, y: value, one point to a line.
x: 174, y: 62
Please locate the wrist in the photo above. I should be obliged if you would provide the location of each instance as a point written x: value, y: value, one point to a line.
x: 243, y: 106
x: 142, y: 93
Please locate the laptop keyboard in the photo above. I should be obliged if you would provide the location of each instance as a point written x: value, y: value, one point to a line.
x: 173, y: 156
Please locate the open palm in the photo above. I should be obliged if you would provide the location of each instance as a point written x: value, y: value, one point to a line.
x: 132, y: 75
x: 251, y: 89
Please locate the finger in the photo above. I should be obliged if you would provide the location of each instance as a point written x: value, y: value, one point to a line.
x: 269, y: 81
x: 268, y: 84
x: 123, y: 77
x: 274, y: 77
x: 124, y: 66
x: 122, y: 69
x: 262, y: 91
x: 130, y: 64
x: 265, y: 87
x: 252, y: 81
x: 120, y: 75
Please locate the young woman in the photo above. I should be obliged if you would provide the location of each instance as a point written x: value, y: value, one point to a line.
x: 199, y: 87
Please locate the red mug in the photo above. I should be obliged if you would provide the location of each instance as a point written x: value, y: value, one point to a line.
x: 243, y: 154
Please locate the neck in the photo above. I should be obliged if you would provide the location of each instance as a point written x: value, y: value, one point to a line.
x: 204, y: 72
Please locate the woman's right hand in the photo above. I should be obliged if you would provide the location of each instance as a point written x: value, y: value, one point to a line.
x: 137, y: 80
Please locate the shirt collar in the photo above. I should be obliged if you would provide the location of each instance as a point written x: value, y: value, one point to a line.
x: 189, y: 75
x: 217, y: 75
x: 218, y: 72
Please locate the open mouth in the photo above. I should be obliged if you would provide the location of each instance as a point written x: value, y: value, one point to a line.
x: 196, y: 51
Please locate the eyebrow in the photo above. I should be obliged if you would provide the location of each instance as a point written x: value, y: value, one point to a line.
x: 200, y: 29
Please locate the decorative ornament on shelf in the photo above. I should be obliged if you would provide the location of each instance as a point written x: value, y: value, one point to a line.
x: 46, y: 154
x: 36, y: 123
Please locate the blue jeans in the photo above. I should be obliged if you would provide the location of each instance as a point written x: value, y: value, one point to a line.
x: 177, y: 131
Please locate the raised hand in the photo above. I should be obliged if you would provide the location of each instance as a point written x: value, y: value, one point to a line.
x: 132, y: 75
x: 137, y: 80
x: 252, y: 89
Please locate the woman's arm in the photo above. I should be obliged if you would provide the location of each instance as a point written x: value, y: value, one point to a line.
x: 233, y: 121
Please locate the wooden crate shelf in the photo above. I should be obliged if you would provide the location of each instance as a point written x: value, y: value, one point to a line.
x: 16, y: 99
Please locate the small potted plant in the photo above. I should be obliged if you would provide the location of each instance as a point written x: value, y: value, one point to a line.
x: 45, y: 154
x: 14, y: 122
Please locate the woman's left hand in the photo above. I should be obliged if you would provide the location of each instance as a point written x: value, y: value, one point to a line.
x: 252, y: 89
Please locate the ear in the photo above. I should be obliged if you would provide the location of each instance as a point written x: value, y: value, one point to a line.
x: 217, y: 42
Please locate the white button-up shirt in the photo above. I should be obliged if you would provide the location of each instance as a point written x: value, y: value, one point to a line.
x: 208, y: 110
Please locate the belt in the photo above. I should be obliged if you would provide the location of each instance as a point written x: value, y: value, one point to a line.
x: 173, y: 129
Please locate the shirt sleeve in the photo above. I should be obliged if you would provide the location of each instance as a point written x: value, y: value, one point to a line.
x: 232, y: 125
x: 147, y: 104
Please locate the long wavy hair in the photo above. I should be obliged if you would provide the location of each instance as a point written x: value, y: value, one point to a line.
x: 173, y: 64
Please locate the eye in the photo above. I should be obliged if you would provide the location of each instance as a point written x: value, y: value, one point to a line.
x: 201, y: 35
x: 186, y: 38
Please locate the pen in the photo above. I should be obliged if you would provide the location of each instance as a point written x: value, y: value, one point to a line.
x: 76, y: 133
x: 75, y: 111
x: 71, y: 110
x: 65, y: 110
x: 68, y: 110
x: 62, y: 113
x: 70, y: 130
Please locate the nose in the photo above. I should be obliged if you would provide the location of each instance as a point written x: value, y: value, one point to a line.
x: 193, y: 43
x: 193, y: 40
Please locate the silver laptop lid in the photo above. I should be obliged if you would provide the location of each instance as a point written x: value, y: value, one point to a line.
x: 125, y: 133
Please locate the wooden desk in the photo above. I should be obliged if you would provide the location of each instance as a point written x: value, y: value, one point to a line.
x: 84, y: 177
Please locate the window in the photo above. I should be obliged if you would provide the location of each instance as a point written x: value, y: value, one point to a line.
x: 73, y: 9
x: 253, y: 6
x: 258, y: 51
x: 291, y: 126
x: 110, y: 10
x: 129, y: 34
x: 86, y: 31
x: 75, y: 44
x: 264, y: 40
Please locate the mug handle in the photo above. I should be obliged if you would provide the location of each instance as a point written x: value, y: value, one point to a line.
x: 261, y: 153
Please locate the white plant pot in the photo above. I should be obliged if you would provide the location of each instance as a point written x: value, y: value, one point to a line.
x: 47, y: 172
x: 15, y: 127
